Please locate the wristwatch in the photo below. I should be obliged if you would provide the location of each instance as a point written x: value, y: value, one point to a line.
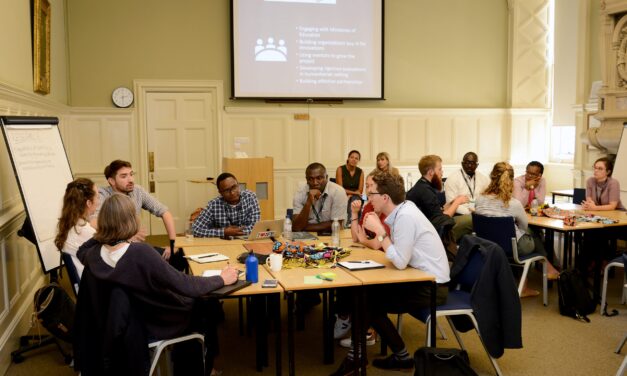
x: 381, y: 237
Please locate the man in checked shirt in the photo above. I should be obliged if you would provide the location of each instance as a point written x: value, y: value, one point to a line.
x: 233, y: 213
x: 120, y: 176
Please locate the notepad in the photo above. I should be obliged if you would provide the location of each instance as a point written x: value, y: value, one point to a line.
x: 204, y: 258
x: 360, y: 265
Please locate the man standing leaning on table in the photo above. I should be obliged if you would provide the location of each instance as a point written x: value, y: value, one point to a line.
x: 413, y: 243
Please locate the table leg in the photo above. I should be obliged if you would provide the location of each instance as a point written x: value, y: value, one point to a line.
x: 326, y: 346
x: 276, y: 307
x: 363, y: 331
x: 290, y: 332
x: 434, y: 321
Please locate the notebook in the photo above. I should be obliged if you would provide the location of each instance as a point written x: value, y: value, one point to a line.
x: 360, y: 265
x: 265, y: 230
x: 227, y: 290
x: 204, y: 258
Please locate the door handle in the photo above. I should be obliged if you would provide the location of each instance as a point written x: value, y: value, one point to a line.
x: 151, y: 161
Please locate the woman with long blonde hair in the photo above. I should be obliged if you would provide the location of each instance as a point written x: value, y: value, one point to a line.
x: 384, y: 164
x: 497, y: 201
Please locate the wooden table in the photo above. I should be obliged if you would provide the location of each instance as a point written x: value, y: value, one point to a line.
x: 562, y: 192
x: 260, y: 297
x: 183, y: 242
x: 576, y: 232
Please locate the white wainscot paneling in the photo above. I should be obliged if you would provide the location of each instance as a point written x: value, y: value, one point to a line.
x: 95, y: 137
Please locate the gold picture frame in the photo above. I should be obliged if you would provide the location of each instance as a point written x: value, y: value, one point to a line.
x: 41, y: 46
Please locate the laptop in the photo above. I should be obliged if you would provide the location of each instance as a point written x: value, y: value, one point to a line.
x: 266, y: 229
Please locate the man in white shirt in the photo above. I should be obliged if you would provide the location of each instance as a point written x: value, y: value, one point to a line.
x: 414, y: 243
x: 466, y: 181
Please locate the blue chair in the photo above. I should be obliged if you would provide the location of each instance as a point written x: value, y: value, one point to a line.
x: 75, y: 279
x: 458, y: 303
x: 502, y: 231
x: 579, y: 195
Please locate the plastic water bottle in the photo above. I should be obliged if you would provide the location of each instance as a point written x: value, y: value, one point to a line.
x: 410, y: 181
x: 335, y: 233
x: 287, y: 225
x: 252, y: 265
x: 533, y: 209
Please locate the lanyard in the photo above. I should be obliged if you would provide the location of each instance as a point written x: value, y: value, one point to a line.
x: 313, y: 207
x: 474, y: 184
x: 599, y: 191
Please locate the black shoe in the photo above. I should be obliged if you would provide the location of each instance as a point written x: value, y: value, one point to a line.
x: 347, y: 367
x: 394, y: 363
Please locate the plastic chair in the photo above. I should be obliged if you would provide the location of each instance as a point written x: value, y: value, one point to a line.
x: 72, y: 273
x: 157, y: 347
x: 579, y: 195
x: 618, y: 262
x: 458, y: 303
x: 502, y: 231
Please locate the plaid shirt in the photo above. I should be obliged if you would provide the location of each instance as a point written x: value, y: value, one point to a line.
x: 219, y: 214
x: 141, y: 199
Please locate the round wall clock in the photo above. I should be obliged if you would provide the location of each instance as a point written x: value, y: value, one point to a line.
x: 122, y: 97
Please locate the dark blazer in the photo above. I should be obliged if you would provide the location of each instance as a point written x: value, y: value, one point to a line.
x: 109, y: 336
x: 494, y: 297
x: 426, y: 199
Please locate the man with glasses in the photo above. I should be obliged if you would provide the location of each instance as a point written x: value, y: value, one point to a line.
x: 319, y: 202
x: 233, y: 213
x: 120, y: 176
x: 530, y: 186
x: 466, y: 182
x: 413, y: 243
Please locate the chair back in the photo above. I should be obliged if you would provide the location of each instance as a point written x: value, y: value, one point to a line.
x: 75, y: 279
x: 579, y: 195
x: 499, y: 230
x: 468, y: 276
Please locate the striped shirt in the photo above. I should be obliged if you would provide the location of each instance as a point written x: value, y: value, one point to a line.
x: 490, y: 206
x: 141, y: 199
x: 220, y: 214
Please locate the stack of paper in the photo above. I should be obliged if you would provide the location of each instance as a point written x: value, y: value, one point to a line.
x: 360, y: 265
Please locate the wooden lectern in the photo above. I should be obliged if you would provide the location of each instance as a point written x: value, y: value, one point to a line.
x: 257, y: 175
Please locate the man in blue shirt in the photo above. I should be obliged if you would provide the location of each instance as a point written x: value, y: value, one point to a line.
x: 233, y: 213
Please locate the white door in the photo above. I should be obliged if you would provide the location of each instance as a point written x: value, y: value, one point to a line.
x: 182, y: 149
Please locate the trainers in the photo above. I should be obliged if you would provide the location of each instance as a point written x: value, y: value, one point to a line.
x: 394, y: 363
x: 342, y: 326
x: 347, y: 368
x: 370, y: 340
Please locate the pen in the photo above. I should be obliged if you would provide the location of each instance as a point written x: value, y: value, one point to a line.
x: 358, y: 262
x: 207, y: 256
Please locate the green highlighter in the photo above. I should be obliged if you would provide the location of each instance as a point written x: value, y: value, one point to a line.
x: 327, y: 276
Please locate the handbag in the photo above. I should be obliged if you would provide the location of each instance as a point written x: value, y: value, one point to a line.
x: 431, y: 361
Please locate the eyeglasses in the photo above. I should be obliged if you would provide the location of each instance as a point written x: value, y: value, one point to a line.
x: 470, y: 163
x: 231, y: 189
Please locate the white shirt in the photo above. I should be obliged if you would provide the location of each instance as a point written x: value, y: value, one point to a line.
x: 331, y: 204
x: 416, y: 243
x: 111, y: 258
x: 460, y: 183
x: 78, y: 235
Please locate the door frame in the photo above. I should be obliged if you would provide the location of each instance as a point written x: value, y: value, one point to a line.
x: 143, y: 87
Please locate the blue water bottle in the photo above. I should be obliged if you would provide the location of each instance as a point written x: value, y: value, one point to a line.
x: 252, y: 264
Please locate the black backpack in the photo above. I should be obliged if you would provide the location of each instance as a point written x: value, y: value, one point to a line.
x: 575, y: 297
x: 55, y: 310
x: 431, y: 361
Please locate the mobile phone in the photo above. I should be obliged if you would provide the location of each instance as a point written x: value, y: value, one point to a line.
x: 269, y: 283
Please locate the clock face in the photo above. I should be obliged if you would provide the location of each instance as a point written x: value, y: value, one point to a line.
x: 122, y: 97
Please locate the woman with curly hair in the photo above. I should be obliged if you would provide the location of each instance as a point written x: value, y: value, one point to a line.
x: 497, y: 201
x: 79, y: 203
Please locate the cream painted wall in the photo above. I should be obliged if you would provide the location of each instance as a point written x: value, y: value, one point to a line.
x: 16, y: 67
x: 461, y: 44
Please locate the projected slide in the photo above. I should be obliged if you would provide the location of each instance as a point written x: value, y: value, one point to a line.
x: 307, y: 48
